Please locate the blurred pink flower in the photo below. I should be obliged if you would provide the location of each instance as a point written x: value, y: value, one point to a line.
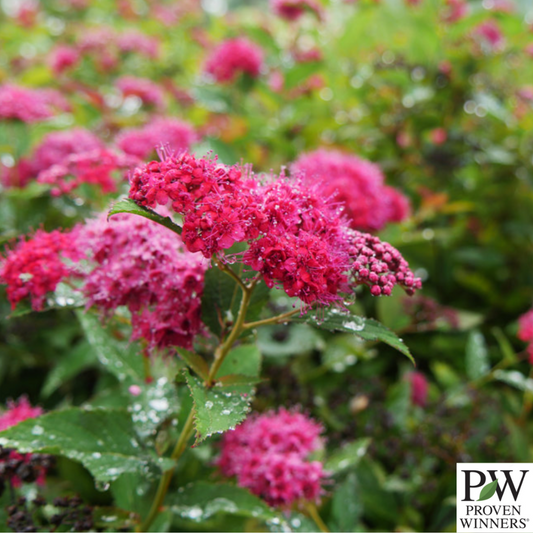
x: 62, y: 58
x: 233, y: 57
x: 27, y: 105
x: 490, y: 34
x: 525, y: 332
x: 419, y: 388
x: 294, y: 9
x: 141, y: 142
x: 148, y: 91
x: 268, y: 455
x: 438, y: 136
x: 354, y: 182
x: 456, y: 10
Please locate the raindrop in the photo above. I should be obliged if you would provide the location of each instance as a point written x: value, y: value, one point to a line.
x: 208, y: 405
x: 37, y: 430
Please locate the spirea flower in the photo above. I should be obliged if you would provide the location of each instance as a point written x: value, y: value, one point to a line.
x: 356, y: 183
x: 149, y: 92
x: 525, y: 332
x: 94, y: 167
x: 18, y: 175
x: 490, y: 35
x: 26, y: 105
x: 55, y: 147
x: 455, y: 10
x: 268, y: 455
x: 142, y: 265
x: 177, y: 135
x: 134, y: 41
x: 62, y: 58
x: 33, y: 268
x: 297, y: 237
x: 294, y: 9
x: 234, y: 57
x: 419, y: 388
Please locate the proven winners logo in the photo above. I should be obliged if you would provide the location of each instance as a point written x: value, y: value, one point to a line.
x: 495, y: 497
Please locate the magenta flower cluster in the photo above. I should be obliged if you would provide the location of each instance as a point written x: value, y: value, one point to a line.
x: 233, y: 57
x: 140, y: 265
x: 268, y: 454
x: 294, y: 9
x: 34, y: 267
x: 359, y: 184
x: 297, y: 238
x: 28, y: 105
x: 146, y: 90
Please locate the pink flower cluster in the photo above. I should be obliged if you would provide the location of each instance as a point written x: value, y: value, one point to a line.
x: 357, y: 184
x: 34, y: 267
x: 294, y: 9
x: 94, y: 167
x: 419, y: 388
x: 525, y: 332
x: 456, y: 10
x: 146, y: 90
x: 171, y: 132
x: 490, y: 35
x: 297, y: 238
x: 268, y: 455
x: 26, y: 105
x: 62, y: 58
x: 18, y: 412
x: 234, y: 57
x: 140, y: 265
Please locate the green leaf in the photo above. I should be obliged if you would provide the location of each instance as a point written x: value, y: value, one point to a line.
x: 76, y: 360
x: 488, y: 491
x: 477, y: 361
x: 505, y: 346
x: 201, y: 500
x: 103, y: 440
x: 347, y: 457
x: 220, y: 407
x: 127, y: 205
x: 244, y: 360
x: 195, y: 362
x: 346, y: 506
x: 367, y: 329
x: 220, y: 300
x: 515, y: 379
x: 120, y: 358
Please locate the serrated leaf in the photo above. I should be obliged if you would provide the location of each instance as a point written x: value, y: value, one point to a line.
x: 366, y: 328
x: 195, y: 362
x: 219, y: 408
x: 120, y: 358
x: 201, y: 500
x: 477, y: 361
x: 127, y: 205
x: 244, y: 359
x: 488, y: 491
x: 103, y: 440
x: 347, y: 457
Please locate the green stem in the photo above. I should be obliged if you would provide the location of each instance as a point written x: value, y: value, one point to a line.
x: 313, y: 513
x: 274, y: 320
x: 188, y: 428
x: 224, y: 349
x: 527, y: 404
x: 164, y: 483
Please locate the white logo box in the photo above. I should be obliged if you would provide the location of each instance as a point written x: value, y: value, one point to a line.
x: 508, y: 509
